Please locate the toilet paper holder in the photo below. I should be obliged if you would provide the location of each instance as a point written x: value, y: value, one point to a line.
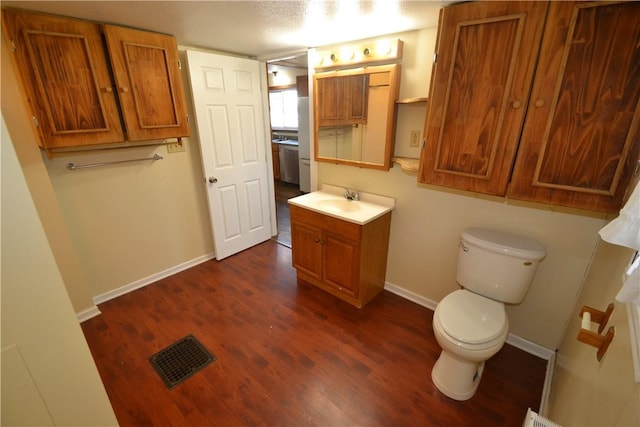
x: 593, y: 338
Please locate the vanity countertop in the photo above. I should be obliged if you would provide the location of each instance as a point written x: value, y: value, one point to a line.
x: 330, y: 200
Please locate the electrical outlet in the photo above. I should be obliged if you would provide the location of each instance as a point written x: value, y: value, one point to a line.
x: 414, y: 140
x: 175, y: 147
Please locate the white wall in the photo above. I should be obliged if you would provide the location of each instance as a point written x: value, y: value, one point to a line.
x: 48, y: 374
x: 588, y: 392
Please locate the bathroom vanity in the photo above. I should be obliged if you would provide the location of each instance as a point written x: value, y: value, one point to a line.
x: 341, y: 245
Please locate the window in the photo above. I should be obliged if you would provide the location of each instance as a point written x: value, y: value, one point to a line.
x: 284, y: 109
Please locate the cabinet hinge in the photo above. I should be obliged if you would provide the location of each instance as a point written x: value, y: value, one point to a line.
x: 179, y: 64
x: 13, y: 46
x: 187, y: 118
x: 636, y: 170
x: 35, y: 121
x: 435, y: 57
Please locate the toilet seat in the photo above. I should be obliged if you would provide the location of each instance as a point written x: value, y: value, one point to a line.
x: 471, y: 319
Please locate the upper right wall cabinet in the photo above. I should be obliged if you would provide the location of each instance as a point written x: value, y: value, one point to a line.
x: 536, y: 106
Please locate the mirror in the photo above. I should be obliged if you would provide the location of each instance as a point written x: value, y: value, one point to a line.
x: 355, y: 115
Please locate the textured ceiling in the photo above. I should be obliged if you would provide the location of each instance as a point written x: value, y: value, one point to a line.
x: 262, y: 29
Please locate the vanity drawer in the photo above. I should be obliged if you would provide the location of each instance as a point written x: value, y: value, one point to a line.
x: 337, y: 226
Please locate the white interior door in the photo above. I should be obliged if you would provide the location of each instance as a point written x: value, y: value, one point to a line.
x: 230, y: 121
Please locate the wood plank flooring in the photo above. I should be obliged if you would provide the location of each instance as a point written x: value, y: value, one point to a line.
x: 289, y: 354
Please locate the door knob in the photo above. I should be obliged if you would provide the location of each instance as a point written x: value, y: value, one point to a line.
x: 213, y: 180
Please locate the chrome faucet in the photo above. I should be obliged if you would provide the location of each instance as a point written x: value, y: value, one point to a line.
x: 351, y: 195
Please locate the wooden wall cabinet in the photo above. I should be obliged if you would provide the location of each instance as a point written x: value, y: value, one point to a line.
x: 536, y: 106
x: 580, y: 142
x: 83, y: 94
x: 342, y: 100
x: 346, y: 259
x: 354, y: 115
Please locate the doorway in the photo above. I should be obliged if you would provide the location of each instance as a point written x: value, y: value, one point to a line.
x: 288, y: 92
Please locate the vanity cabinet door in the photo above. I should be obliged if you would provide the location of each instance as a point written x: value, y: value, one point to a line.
x: 345, y: 259
x: 481, y: 79
x: 306, y: 248
x: 146, y: 70
x: 340, y: 263
x: 580, y: 140
x: 66, y: 78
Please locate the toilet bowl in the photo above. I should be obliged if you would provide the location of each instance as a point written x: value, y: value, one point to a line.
x: 470, y: 324
x: 470, y: 329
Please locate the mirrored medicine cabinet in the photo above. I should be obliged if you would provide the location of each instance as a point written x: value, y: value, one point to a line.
x: 355, y: 115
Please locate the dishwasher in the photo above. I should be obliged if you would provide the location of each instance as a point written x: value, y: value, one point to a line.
x: 289, y: 167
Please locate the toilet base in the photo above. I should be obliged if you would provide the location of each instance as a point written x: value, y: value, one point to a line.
x: 455, y: 378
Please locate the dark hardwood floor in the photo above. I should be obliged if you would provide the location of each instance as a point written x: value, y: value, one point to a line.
x: 284, y: 191
x: 289, y: 354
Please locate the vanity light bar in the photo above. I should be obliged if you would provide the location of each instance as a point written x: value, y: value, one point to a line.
x: 381, y: 50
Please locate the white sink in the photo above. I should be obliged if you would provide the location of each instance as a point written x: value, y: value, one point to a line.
x: 330, y: 201
x: 339, y: 205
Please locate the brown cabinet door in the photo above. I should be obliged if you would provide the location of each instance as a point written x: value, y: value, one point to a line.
x: 580, y: 140
x: 66, y: 79
x: 486, y: 55
x: 306, y: 249
x: 145, y: 67
x: 342, y: 100
x: 357, y: 88
x: 330, y: 100
x: 341, y: 263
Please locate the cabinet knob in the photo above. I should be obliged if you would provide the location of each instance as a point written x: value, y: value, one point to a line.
x: 516, y: 104
x: 124, y: 89
x: 108, y: 89
x: 539, y: 103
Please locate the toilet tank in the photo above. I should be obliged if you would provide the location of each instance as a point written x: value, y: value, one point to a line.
x: 497, y: 265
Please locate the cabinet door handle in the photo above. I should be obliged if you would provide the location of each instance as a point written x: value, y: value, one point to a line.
x: 539, y: 103
x: 108, y: 89
x: 124, y: 89
x: 516, y: 104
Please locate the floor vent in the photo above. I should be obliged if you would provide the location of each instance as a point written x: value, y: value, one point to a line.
x: 534, y: 420
x: 181, y: 360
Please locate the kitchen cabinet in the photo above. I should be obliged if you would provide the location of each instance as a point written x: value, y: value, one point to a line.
x: 348, y: 260
x: 536, y: 106
x: 275, y: 156
x: 90, y: 84
x: 302, y: 86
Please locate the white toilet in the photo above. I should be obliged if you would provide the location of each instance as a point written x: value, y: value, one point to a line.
x: 470, y: 324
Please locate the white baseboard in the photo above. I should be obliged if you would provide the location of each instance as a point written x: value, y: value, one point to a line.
x: 88, y: 314
x: 530, y: 347
x: 546, y: 388
x: 411, y: 296
x: 99, y: 299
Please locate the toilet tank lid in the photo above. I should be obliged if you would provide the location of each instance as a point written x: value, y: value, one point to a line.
x: 501, y: 242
